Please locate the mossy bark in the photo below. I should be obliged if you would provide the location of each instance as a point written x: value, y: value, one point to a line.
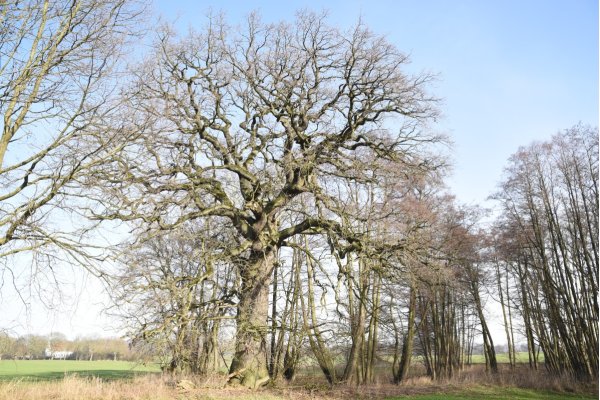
x: 249, y: 365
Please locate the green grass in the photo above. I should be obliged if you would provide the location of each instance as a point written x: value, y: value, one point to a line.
x: 521, y: 357
x: 42, y: 370
x: 497, y: 393
x: 502, y: 358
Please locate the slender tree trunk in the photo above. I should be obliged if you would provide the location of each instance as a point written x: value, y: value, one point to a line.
x: 507, y: 328
x: 407, y: 343
x: 357, y: 322
x: 295, y: 331
x: 369, y: 373
x: 278, y: 342
x: 273, y: 355
x: 425, y: 333
x: 315, y: 339
x: 488, y: 343
x: 510, y: 323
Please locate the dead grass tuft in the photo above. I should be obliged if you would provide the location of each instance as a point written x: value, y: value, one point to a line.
x: 523, y: 377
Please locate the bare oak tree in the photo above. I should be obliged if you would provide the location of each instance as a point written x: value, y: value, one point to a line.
x: 241, y: 124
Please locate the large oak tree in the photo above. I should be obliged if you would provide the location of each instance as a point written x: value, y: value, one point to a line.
x: 251, y: 124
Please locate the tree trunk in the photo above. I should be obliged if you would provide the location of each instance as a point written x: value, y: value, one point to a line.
x: 507, y: 327
x: 488, y: 343
x: 357, y: 323
x: 274, y: 333
x: 315, y: 339
x: 249, y: 365
x: 369, y: 372
x: 407, y: 343
x: 295, y: 330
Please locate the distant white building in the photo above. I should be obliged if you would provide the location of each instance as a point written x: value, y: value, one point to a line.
x: 57, y: 355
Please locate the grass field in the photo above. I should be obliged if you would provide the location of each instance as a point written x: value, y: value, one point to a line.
x: 502, y: 358
x: 40, y: 370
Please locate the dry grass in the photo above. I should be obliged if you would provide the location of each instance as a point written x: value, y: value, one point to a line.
x: 149, y: 387
x: 522, y: 377
x: 155, y: 387
x: 73, y: 387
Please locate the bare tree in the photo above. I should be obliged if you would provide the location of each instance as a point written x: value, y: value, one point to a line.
x: 550, y: 199
x: 174, y: 291
x: 465, y: 251
x: 57, y: 64
x: 242, y: 123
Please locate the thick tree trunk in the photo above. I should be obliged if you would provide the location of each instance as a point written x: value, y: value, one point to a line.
x: 249, y: 365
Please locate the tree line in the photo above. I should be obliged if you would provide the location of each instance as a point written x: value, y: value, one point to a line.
x: 547, y: 248
x: 266, y: 194
x: 37, y: 347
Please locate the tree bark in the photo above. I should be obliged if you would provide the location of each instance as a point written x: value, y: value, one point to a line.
x: 369, y: 372
x: 249, y: 365
x: 407, y: 343
x: 503, y: 305
x: 273, y: 356
x: 357, y: 323
x: 488, y: 343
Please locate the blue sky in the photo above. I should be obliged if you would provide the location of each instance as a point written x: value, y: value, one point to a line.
x: 510, y: 72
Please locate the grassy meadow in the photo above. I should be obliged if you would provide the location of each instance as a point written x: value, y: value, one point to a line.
x: 502, y: 358
x: 43, y: 370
